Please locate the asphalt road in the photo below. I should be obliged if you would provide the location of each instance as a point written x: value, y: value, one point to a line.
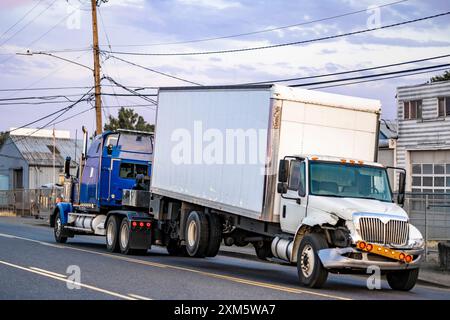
x: 33, y: 266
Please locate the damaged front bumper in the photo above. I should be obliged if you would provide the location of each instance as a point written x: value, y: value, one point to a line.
x: 351, y: 258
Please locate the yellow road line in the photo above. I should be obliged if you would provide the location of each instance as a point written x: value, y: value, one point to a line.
x: 209, y: 274
x: 49, y: 275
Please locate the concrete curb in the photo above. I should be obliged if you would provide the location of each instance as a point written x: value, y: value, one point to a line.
x: 247, y: 256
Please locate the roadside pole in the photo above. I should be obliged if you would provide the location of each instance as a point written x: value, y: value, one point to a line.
x: 95, y: 48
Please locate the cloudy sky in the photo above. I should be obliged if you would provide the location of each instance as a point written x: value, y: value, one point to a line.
x: 164, y: 26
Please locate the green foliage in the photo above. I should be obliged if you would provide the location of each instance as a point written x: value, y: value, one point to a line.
x: 443, y: 77
x: 3, y: 137
x: 128, y: 119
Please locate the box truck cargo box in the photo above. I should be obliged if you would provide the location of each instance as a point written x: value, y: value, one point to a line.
x: 219, y: 146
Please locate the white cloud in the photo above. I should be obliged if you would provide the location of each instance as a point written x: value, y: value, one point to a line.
x: 215, y: 4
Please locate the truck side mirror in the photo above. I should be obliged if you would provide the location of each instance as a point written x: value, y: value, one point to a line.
x: 401, y: 188
x: 67, y: 167
x: 282, y: 187
x: 283, y: 171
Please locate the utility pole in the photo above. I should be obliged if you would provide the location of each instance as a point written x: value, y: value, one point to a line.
x: 95, y: 47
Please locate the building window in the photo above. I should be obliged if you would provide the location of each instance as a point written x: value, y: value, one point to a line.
x: 431, y: 178
x: 444, y: 106
x: 412, y: 109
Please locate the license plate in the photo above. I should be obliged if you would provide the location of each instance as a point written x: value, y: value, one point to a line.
x: 385, y: 252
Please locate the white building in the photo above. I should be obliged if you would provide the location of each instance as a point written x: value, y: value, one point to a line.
x: 27, y: 157
x: 423, y: 144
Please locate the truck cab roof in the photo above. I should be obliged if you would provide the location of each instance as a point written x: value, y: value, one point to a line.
x: 341, y: 160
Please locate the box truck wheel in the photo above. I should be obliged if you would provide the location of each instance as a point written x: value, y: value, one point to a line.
x: 58, y: 229
x: 215, y: 235
x: 112, y: 234
x: 309, y: 267
x: 403, y: 280
x: 197, y: 234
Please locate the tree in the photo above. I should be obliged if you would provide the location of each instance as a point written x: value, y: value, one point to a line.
x: 128, y: 119
x: 443, y: 77
x: 3, y: 137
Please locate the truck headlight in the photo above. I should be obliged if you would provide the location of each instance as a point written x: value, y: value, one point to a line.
x: 416, y: 239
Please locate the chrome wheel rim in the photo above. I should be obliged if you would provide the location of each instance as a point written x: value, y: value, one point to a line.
x: 110, y: 234
x: 192, y: 233
x: 124, y: 236
x: 307, y: 261
x: 58, y: 227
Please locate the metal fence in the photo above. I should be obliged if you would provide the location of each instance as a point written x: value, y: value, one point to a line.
x: 28, y: 202
x: 430, y: 213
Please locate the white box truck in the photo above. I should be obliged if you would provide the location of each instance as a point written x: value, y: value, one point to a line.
x: 291, y: 171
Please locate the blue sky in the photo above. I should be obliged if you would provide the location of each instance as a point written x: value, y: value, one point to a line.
x: 130, y: 24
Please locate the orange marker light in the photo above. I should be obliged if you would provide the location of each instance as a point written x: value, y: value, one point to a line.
x: 408, y: 258
x: 360, y: 162
x: 362, y: 245
x: 369, y: 247
x: 401, y: 256
x: 343, y: 161
x: 352, y: 161
x: 314, y: 158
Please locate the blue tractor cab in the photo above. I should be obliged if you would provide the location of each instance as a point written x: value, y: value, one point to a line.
x: 110, y: 165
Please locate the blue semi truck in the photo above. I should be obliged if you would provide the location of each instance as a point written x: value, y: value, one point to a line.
x: 98, y: 200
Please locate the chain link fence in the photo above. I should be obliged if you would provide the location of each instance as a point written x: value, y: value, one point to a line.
x: 28, y: 202
x: 430, y: 213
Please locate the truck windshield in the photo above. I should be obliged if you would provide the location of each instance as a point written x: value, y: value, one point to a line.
x: 347, y: 180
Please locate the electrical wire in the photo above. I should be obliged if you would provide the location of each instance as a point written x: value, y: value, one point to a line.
x: 29, y: 22
x: 263, y: 30
x: 280, y: 44
x: 22, y: 18
x: 350, y: 71
x: 155, y: 71
x: 371, y: 76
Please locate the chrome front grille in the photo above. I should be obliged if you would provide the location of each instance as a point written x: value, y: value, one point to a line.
x: 393, y: 232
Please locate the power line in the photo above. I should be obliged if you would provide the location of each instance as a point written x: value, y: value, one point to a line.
x: 61, y: 111
x: 21, y: 19
x: 349, y: 71
x: 155, y: 71
x: 370, y: 76
x: 380, y: 79
x: 51, y: 114
x: 263, y: 30
x: 29, y: 22
x: 129, y: 90
x: 68, y: 88
x: 281, y: 44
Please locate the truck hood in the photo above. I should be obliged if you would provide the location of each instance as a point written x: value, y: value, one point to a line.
x: 346, y: 207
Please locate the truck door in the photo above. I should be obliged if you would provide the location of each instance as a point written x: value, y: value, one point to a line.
x: 294, y: 202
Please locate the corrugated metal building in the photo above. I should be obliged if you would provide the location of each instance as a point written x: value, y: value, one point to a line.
x: 26, y: 158
x: 423, y: 144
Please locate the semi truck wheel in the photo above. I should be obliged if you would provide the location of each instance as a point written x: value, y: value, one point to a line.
x: 112, y: 234
x: 215, y: 235
x: 403, y: 280
x: 58, y: 229
x: 197, y: 234
x: 309, y: 267
x: 124, y: 237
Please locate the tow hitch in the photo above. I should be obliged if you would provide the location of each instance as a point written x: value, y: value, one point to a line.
x: 385, y: 252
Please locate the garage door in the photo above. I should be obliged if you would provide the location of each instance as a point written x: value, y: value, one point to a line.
x: 430, y: 171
